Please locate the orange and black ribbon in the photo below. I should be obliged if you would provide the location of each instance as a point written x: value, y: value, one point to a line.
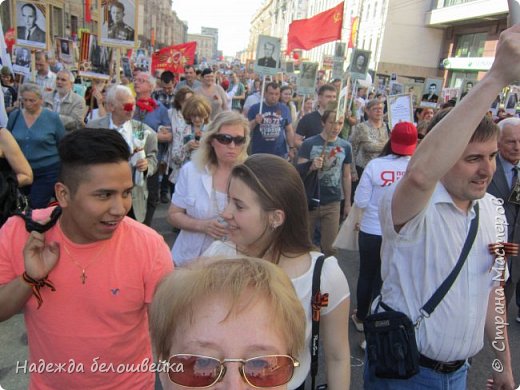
x: 319, y: 301
x: 36, y: 285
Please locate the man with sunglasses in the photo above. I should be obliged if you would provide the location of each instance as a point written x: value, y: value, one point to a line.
x: 120, y: 105
x: 271, y: 129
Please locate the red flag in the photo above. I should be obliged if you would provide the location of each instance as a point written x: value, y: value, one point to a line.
x: 88, y: 16
x: 174, y: 58
x: 321, y: 28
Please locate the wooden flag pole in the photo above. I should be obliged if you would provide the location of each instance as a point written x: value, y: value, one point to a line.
x: 118, y: 66
x: 262, y: 95
x: 33, y: 66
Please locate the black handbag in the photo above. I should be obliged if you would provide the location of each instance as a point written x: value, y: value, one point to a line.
x: 390, y: 335
x: 311, y: 182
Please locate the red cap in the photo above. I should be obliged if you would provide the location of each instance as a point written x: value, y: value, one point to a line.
x: 403, y: 138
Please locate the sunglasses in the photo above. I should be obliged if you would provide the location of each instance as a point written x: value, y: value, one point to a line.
x: 226, y: 139
x: 204, y: 371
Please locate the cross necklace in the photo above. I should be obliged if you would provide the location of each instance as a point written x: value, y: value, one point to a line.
x: 83, y: 269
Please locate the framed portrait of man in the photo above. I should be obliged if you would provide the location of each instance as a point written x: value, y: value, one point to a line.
x: 466, y: 86
x: 65, y: 51
x: 99, y: 59
x: 307, y: 78
x: 118, y: 23
x: 32, y: 24
x: 415, y: 90
x: 22, y: 60
x: 432, y: 90
x: 267, y: 55
x: 359, y: 63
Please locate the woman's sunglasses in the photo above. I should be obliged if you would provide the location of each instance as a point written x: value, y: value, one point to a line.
x: 204, y: 371
x: 226, y: 139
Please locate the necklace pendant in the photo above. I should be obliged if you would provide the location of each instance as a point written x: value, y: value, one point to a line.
x: 83, y: 277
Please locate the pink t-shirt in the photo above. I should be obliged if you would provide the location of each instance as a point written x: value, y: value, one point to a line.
x: 102, y: 321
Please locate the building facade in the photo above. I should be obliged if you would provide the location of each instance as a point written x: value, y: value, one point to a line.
x: 213, y: 32
x: 450, y: 39
x: 205, y: 46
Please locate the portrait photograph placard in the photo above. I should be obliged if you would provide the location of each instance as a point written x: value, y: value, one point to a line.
x: 466, y: 86
x: 65, y: 50
x: 22, y: 61
x: 307, y: 78
x: 118, y: 23
x: 416, y: 91
x: 399, y: 109
x: 267, y: 55
x: 359, y: 63
x: 32, y: 24
x: 432, y: 90
x: 98, y: 61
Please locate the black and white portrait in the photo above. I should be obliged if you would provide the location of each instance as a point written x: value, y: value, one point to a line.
x: 307, y: 79
x: 99, y: 57
x: 359, y: 62
x: 267, y: 55
x: 466, y: 86
x: 118, y: 26
x: 65, y: 51
x: 431, y: 91
x: 31, y: 20
x: 339, y: 50
x: 22, y: 60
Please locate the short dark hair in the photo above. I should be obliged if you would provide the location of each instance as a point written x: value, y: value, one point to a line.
x: 117, y: 4
x: 81, y: 148
x: 186, y: 67
x: 327, y: 87
x: 167, y: 77
x: 273, y: 85
x: 206, y: 71
x: 31, y: 6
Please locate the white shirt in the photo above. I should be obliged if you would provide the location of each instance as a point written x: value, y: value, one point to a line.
x: 415, y: 261
x: 47, y: 83
x: 126, y: 131
x: 193, y: 192
x: 333, y: 282
x: 377, y: 176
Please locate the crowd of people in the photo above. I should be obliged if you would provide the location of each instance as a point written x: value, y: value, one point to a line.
x: 232, y: 304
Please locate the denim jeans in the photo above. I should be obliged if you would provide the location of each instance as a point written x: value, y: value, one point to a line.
x: 42, y: 189
x: 425, y: 379
x: 369, y: 281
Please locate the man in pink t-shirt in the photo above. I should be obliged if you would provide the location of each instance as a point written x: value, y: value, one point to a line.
x: 92, y: 331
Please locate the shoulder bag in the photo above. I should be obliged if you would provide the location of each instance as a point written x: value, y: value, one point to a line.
x: 318, y: 300
x: 391, y: 345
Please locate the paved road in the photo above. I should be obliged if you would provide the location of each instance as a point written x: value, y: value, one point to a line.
x: 13, y: 349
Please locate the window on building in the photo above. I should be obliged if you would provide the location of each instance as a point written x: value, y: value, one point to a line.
x: 56, y: 22
x: 74, y: 25
x: 470, y: 45
x: 457, y: 78
x: 448, y: 3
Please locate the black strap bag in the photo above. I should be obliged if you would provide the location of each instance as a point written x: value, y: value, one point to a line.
x: 311, y: 182
x: 390, y: 335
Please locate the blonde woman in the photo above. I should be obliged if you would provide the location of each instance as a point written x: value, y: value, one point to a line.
x: 200, y: 191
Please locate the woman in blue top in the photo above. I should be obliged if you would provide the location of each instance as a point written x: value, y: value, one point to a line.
x: 38, y: 131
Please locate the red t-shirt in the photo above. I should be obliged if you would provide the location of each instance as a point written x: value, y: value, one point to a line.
x: 81, y: 326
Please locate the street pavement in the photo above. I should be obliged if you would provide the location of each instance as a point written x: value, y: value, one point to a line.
x: 13, y: 348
